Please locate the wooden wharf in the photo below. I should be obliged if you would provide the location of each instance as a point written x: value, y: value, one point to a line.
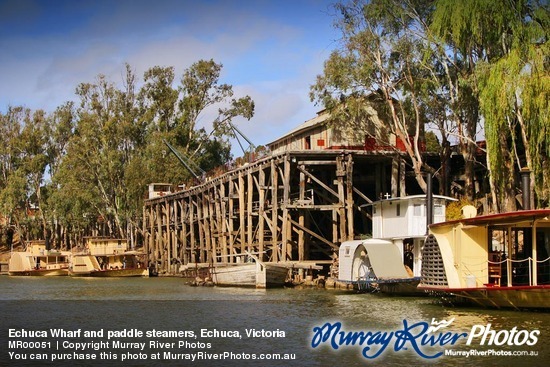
x: 294, y: 206
x: 4, y: 268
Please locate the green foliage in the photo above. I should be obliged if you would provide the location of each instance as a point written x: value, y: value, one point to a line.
x: 432, y: 142
x: 102, y: 153
x: 451, y: 65
x: 454, y: 209
x: 476, y: 28
x: 386, y: 81
x: 515, y: 89
x: 14, y: 194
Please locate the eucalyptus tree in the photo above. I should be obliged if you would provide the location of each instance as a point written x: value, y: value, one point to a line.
x: 117, y: 144
x: 459, y: 66
x: 10, y: 130
x: 12, y: 181
x: 59, y: 130
x: 24, y: 164
x: 193, y: 115
x: 104, y: 141
x: 34, y: 162
x: 203, y: 96
x: 158, y: 103
x: 378, y: 82
x: 158, y: 98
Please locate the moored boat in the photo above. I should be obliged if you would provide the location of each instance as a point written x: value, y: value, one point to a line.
x: 374, y: 265
x: 37, y: 260
x: 390, y: 262
x: 255, y: 274
x: 107, y: 257
x: 498, y: 260
x: 247, y: 270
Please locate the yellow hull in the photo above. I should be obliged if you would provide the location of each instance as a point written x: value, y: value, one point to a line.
x: 41, y: 272
x: 134, y: 272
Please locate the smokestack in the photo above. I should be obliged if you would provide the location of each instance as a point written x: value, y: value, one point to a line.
x: 526, y: 187
x: 429, y: 201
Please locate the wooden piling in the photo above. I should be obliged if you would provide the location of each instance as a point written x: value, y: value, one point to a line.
x: 294, y: 206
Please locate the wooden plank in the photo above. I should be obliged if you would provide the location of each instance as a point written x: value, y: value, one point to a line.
x: 242, y: 213
x: 175, y: 232
x: 146, y: 233
x: 261, y: 219
x: 319, y: 207
x: 158, y: 237
x: 202, y: 256
x: 307, y: 265
x: 223, y: 218
x: 286, y: 251
x: 321, y: 183
x: 349, y: 196
x: 341, y: 198
x: 301, y: 220
x: 395, y: 176
x: 232, y: 237
x: 320, y: 238
x: 274, y: 211
x: 316, y: 163
x: 335, y: 225
x: 184, y: 213
x: 193, y: 249
x: 249, y: 209
x: 363, y: 196
x: 209, y: 223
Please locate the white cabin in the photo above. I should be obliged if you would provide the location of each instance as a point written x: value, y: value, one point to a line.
x: 402, y: 221
x: 404, y: 217
x: 159, y: 189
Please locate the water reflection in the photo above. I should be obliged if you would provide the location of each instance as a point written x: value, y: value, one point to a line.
x: 168, y: 303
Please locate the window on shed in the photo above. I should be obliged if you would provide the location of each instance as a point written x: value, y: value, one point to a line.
x: 307, y: 142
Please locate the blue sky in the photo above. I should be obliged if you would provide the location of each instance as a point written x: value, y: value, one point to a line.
x: 270, y: 50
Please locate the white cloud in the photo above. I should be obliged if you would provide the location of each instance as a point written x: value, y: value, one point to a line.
x: 267, y: 57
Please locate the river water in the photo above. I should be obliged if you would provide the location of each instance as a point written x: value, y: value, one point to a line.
x: 117, y: 310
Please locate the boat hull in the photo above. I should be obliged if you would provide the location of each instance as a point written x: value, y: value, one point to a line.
x: 40, y: 272
x: 136, y: 272
x: 37, y: 261
x: 249, y: 275
x: 518, y: 297
x: 403, y: 287
x: 89, y: 266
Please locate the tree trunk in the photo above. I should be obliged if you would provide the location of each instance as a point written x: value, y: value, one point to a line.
x: 468, y: 152
x: 508, y: 194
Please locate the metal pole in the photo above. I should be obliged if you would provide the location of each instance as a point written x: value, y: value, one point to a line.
x: 526, y: 187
